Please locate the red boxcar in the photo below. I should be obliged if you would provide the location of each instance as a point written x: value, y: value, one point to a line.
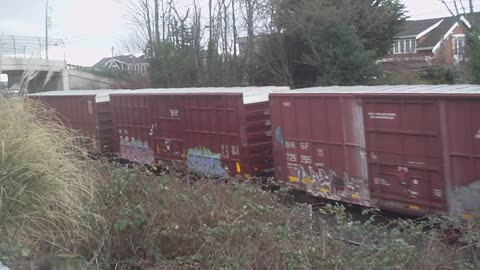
x: 88, y: 112
x: 215, y: 131
x: 412, y: 149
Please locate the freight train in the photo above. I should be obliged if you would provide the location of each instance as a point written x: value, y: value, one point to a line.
x: 409, y: 149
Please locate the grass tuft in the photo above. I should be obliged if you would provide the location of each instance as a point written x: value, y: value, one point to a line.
x: 47, y: 183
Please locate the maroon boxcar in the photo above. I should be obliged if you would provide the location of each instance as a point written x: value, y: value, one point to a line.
x: 412, y: 149
x: 216, y: 131
x: 88, y: 112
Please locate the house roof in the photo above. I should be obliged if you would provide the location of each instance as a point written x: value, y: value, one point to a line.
x: 438, y: 33
x: 414, y: 28
x: 126, y: 59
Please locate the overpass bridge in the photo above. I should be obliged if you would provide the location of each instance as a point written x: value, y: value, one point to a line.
x: 25, y: 59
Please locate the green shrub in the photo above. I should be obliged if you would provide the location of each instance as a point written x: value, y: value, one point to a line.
x: 443, y: 75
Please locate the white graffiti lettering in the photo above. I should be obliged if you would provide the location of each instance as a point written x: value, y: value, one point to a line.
x: 329, y: 184
x: 168, y: 145
x: 151, y: 130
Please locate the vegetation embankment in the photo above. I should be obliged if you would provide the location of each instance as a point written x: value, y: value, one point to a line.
x: 54, y: 200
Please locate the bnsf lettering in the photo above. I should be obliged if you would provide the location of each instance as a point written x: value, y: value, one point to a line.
x: 290, y: 145
x: 304, y: 145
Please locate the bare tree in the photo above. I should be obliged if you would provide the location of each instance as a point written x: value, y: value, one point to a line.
x: 139, y: 14
x: 196, y: 41
x: 448, y: 7
x: 235, y: 38
x: 157, y: 24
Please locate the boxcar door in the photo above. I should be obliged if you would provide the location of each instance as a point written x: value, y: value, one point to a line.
x: 405, y: 154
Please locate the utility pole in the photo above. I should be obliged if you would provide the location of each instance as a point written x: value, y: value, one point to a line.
x: 471, y: 6
x: 456, y: 7
x: 46, y: 31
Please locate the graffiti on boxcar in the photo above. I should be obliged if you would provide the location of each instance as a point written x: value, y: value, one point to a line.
x: 202, y: 160
x: 136, y: 150
x: 467, y: 200
x: 279, y: 136
x: 330, y: 184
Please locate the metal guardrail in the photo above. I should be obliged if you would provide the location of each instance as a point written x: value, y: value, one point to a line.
x: 31, y: 47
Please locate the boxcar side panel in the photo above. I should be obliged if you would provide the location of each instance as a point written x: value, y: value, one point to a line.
x: 133, y: 127
x: 166, y: 112
x: 212, y: 134
x: 463, y: 133
x: 80, y: 114
x: 319, y: 146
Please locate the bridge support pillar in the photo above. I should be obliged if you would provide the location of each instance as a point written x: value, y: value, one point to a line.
x: 65, y: 79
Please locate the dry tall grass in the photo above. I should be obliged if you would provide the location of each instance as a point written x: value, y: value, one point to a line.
x: 46, y: 182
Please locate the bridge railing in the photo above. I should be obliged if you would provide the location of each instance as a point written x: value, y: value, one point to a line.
x: 32, y: 47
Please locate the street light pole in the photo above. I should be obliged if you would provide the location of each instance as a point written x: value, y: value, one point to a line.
x: 46, y: 31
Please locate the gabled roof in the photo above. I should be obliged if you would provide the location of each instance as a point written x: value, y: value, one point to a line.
x: 437, y: 34
x: 125, y: 59
x: 414, y: 28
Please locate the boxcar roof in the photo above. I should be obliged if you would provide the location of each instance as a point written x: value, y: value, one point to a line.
x: 395, y: 89
x: 250, y: 94
x: 100, y: 95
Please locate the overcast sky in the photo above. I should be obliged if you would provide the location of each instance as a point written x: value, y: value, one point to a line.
x: 92, y: 27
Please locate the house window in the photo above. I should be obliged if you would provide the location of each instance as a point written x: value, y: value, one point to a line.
x: 402, y: 46
x: 458, y: 46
